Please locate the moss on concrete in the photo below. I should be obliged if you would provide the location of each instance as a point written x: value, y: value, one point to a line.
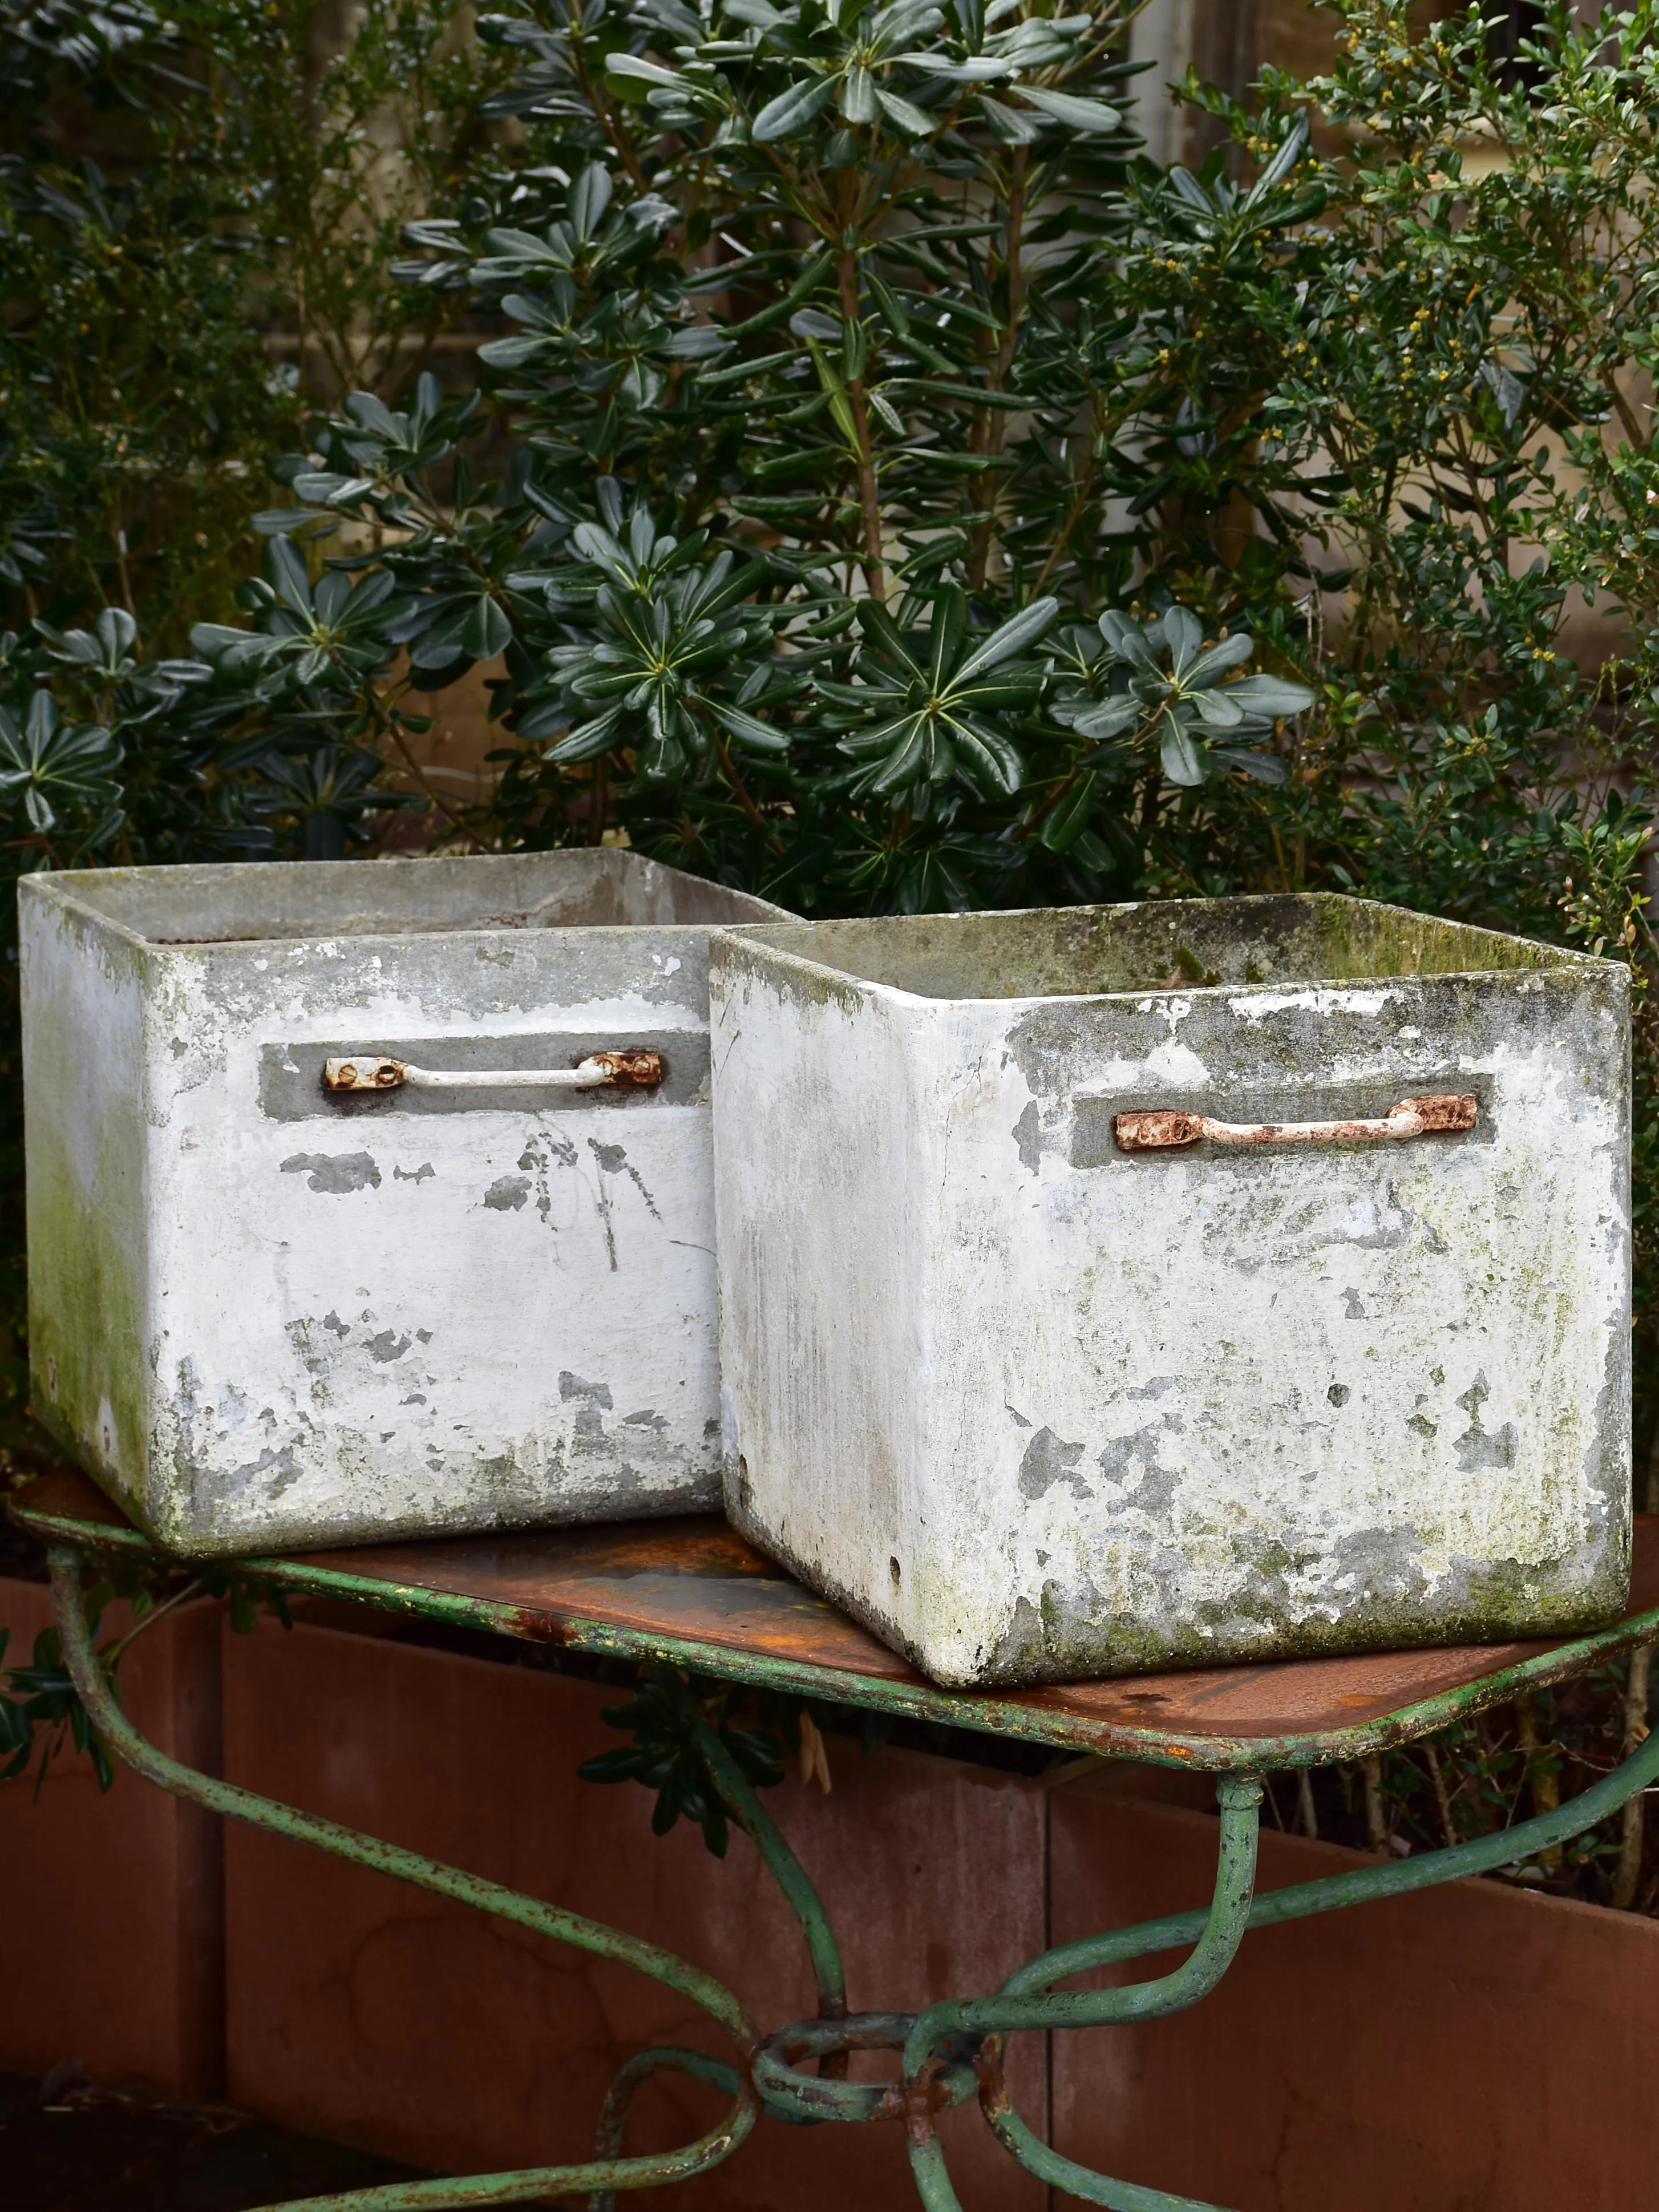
x: 1173, y: 945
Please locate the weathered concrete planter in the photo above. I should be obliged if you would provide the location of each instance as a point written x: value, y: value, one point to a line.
x: 267, y: 1316
x: 1036, y: 1401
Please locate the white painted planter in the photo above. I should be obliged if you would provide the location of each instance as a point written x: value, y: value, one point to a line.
x: 268, y: 1317
x: 1038, y: 1406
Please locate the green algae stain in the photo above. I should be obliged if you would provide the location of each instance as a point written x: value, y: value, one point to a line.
x: 86, y: 1315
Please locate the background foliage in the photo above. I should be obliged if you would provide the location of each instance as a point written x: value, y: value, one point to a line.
x: 856, y: 473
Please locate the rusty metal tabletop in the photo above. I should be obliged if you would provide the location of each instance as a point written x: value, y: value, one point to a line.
x: 692, y: 1591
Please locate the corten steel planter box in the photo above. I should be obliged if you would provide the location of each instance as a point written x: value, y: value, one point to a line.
x: 266, y: 1315
x: 114, y: 1946
x: 1036, y: 1401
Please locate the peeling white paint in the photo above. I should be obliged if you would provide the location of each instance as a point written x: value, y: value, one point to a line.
x: 1260, y: 1006
x: 1170, y: 1064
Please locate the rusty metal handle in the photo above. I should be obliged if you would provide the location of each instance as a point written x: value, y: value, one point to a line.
x: 600, y: 1070
x: 1164, y: 1131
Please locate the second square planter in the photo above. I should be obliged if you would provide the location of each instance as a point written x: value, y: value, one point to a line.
x: 1123, y: 1288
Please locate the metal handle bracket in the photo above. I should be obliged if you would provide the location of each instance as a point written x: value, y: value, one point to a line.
x: 600, y: 1070
x: 1163, y: 1130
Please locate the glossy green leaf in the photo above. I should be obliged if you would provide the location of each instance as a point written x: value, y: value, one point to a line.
x: 788, y: 115
x: 1078, y: 114
x: 1180, y: 759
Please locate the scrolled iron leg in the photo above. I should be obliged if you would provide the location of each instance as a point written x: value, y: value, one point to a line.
x: 237, y: 1804
x: 785, y: 1867
x: 948, y: 2050
x: 1215, y: 1940
x: 1334, y: 1894
x: 674, y: 2058
x: 632, y: 2075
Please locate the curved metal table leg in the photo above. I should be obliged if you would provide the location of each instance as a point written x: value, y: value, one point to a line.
x: 573, y: 1927
x: 1027, y: 1998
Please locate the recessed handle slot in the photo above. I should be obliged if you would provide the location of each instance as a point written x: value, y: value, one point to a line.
x: 600, y: 1070
x: 1164, y: 1130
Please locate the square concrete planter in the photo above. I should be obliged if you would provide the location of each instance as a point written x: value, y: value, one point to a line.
x: 267, y: 1314
x: 1098, y: 1294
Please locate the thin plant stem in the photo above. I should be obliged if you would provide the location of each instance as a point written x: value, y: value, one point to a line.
x: 113, y: 1652
x: 1304, y: 1803
x: 1441, y: 1796
x: 875, y: 569
x: 1545, y: 1782
x: 740, y: 793
x: 1632, y: 1838
x: 1377, y: 1825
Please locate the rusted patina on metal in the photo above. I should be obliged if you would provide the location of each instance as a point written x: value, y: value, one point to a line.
x: 628, y: 1070
x: 1439, y: 1116
x: 823, y: 2096
x: 1165, y: 1129
x: 992, y: 2082
x: 693, y: 1592
x: 948, y: 2077
x: 363, y: 1073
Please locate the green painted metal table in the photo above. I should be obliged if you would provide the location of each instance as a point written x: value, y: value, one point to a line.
x: 691, y: 1593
